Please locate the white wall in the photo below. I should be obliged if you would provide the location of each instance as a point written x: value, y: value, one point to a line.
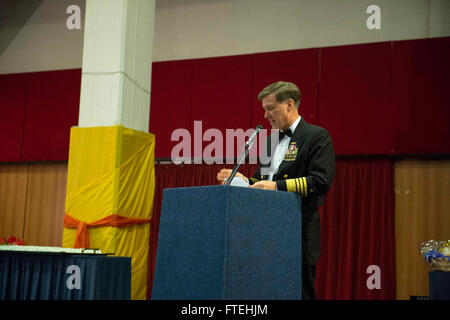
x: 192, y: 29
x: 206, y: 28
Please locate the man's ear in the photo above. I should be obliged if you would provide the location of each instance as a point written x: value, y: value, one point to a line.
x: 291, y: 104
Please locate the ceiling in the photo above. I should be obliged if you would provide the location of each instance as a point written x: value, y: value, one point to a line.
x: 13, y: 15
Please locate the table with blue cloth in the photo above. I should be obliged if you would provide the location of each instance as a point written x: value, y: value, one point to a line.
x: 63, y: 276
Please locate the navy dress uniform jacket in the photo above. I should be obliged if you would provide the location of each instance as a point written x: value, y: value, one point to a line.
x: 308, y: 168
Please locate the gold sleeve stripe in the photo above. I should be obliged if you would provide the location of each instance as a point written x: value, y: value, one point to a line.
x: 298, y: 185
x: 306, y: 187
x: 290, y: 185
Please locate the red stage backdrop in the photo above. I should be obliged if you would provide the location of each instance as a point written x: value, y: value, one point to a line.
x: 357, y: 232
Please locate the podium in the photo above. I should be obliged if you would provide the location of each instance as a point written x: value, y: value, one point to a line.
x: 226, y: 242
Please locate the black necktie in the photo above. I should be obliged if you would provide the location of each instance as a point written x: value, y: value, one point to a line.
x: 288, y: 133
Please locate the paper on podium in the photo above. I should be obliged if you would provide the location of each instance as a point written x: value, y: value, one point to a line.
x: 239, y: 182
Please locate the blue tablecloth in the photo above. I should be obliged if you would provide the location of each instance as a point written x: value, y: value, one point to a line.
x: 61, y: 276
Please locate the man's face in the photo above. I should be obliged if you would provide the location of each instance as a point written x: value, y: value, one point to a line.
x: 276, y: 112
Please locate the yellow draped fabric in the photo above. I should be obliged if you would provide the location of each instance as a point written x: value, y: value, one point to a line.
x: 111, y: 172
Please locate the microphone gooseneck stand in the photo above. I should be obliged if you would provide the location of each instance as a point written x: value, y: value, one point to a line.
x: 244, y: 154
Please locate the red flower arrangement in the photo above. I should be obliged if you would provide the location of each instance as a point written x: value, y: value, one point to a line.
x: 12, y: 241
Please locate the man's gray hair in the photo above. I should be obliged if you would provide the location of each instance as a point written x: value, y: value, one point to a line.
x: 283, y: 91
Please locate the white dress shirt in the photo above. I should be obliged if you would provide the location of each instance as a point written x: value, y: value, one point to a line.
x: 281, y: 149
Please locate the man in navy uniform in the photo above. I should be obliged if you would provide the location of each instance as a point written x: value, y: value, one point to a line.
x: 303, y: 162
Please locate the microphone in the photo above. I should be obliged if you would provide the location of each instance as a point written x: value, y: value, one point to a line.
x: 244, y: 154
x: 254, y: 134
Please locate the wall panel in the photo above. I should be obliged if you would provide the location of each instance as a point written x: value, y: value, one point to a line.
x: 421, y: 213
x: 421, y: 95
x: 52, y: 105
x: 13, y: 193
x: 222, y: 94
x: 354, y: 98
x: 170, y: 106
x: 12, y: 113
x: 377, y: 98
x: 298, y: 66
x: 45, y: 204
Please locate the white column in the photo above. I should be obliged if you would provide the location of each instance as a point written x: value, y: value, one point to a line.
x: 117, y: 61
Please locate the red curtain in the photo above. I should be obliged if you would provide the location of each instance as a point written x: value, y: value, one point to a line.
x: 357, y: 228
x: 357, y: 224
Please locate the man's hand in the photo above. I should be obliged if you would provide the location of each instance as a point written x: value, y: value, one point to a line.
x: 265, y: 184
x: 225, y: 173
